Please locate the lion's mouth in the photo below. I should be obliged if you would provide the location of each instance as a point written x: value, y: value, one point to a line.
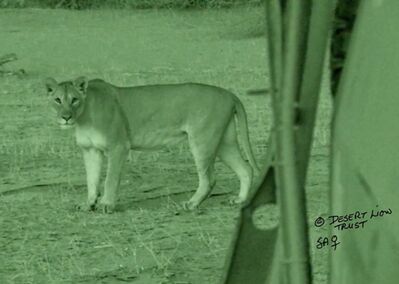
x: 67, y: 125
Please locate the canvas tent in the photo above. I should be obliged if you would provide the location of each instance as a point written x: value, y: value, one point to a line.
x: 365, y: 164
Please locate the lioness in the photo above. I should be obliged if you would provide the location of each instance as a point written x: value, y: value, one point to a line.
x: 111, y: 120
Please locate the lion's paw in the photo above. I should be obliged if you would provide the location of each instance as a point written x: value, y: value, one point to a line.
x: 192, y: 207
x: 105, y: 208
x: 86, y: 207
x: 189, y: 206
x: 236, y: 201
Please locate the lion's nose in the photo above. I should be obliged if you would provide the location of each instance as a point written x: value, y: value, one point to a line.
x: 67, y: 117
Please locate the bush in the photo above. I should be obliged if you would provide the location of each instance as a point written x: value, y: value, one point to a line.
x: 123, y: 4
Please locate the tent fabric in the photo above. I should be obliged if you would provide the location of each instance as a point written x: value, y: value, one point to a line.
x: 365, y: 163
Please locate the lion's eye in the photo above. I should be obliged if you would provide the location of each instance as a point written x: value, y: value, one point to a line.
x: 74, y: 101
x: 58, y: 100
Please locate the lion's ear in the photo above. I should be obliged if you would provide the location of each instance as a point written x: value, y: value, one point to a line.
x: 51, y: 85
x: 81, y: 84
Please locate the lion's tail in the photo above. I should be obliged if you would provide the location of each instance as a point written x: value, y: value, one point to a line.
x: 242, y: 126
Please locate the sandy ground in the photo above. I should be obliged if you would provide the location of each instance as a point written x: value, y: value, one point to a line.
x: 150, y: 239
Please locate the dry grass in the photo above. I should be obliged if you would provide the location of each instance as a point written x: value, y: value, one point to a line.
x: 43, y: 238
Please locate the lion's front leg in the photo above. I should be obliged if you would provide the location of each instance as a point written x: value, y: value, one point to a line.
x: 93, y: 162
x: 116, y: 159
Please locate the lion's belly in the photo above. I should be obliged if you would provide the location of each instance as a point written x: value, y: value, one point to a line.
x: 155, y: 139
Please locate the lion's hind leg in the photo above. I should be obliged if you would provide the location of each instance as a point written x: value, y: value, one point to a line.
x: 230, y: 154
x: 204, y: 153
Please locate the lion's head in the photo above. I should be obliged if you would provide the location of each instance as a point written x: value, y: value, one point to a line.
x: 67, y: 99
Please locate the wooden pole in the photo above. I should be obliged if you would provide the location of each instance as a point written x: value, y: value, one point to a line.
x: 291, y: 196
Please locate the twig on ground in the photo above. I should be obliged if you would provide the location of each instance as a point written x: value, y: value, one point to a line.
x: 9, y: 58
x: 17, y: 188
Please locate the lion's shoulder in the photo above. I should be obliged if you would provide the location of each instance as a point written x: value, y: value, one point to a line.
x: 100, y: 89
x: 98, y: 83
